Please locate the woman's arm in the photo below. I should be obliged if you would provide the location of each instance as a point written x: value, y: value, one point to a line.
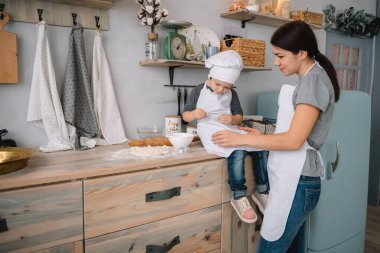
x: 301, y: 126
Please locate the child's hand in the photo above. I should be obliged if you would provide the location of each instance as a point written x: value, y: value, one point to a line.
x: 225, y: 119
x: 199, y: 113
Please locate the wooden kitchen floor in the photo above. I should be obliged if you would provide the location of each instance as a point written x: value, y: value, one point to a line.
x: 372, y: 235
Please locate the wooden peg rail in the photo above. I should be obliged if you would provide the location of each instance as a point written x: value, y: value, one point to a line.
x: 59, y: 12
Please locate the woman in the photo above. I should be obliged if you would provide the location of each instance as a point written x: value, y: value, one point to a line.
x: 295, y: 167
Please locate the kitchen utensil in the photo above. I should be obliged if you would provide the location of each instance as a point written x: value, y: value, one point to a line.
x: 175, y: 43
x: 12, y: 159
x: 184, y: 103
x: 181, y: 141
x: 149, y: 131
x: 179, y: 101
x: 210, y: 51
x: 8, y: 53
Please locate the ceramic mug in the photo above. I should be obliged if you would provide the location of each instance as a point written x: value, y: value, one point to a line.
x: 210, y: 51
x: 173, y: 124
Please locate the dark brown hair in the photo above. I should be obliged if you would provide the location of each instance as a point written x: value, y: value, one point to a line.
x: 296, y: 36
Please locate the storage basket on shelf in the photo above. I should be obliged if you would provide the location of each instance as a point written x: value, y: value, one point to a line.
x: 252, y: 51
x: 307, y: 16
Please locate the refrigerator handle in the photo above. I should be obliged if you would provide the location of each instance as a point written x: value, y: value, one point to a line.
x: 334, y: 164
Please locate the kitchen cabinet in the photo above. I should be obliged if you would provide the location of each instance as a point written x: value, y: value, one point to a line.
x: 41, y: 217
x: 89, y: 201
x: 259, y: 18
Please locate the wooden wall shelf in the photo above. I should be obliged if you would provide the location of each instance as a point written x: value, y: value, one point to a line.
x: 98, y: 4
x: 259, y: 18
x: 59, y: 12
x: 189, y: 64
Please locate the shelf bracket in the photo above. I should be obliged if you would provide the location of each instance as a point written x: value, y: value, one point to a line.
x: 171, y: 78
x: 247, y: 20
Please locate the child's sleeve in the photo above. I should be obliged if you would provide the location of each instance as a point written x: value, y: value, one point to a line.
x: 191, y: 103
x: 235, y: 104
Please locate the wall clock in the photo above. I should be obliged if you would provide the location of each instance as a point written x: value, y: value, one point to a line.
x: 175, y: 44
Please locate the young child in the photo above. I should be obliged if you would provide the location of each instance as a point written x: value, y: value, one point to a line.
x: 216, y: 106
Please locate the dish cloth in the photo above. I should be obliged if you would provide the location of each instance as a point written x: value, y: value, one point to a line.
x: 106, y: 108
x: 45, y: 109
x: 77, y: 98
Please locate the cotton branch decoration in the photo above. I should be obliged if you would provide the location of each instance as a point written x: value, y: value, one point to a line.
x: 150, y: 14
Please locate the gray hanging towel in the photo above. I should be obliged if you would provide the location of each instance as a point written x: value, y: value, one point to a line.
x: 77, y: 97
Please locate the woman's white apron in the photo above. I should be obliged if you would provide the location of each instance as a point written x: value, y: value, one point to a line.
x: 284, y: 171
x: 216, y: 105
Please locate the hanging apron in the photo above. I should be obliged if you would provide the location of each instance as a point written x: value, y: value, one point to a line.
x: 284, y: 171
x: 216, y: 105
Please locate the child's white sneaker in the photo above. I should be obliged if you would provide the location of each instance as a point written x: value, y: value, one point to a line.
x: 261, y: 200
x: 244, y: 209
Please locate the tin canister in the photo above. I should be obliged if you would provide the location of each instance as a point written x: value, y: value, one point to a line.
x: 192, y: 130
x: 173, y: 124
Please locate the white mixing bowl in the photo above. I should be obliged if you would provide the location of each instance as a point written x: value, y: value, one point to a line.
x: 181, y: 141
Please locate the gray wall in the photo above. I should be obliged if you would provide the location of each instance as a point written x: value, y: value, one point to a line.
x: 140, y: 93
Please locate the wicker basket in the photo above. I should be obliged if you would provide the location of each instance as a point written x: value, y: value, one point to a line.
x: 307, y: 16
x: 252, y: 51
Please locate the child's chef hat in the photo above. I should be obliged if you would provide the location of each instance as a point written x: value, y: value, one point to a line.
x: 225, y: 66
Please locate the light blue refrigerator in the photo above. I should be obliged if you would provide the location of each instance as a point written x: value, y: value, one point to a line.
x: 337, y: 225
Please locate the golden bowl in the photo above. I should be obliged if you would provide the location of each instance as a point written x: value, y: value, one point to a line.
x: 12, y: 159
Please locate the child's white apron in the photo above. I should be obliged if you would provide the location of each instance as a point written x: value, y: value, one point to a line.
x: 284, y: 171
x: 216, y: 105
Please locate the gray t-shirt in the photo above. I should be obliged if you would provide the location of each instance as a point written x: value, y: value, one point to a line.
x: 191, y: 103
x: 316, y: 89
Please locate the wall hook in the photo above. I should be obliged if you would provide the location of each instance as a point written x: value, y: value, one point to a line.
x: 97, y: 18
x: 1, y: 10
x: 74, y: 18
x: 40, y: 14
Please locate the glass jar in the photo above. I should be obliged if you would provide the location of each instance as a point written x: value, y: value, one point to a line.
x: 152, y: 47
x: 286, y: 9
x: 252, y: 5
x: 266, y: 6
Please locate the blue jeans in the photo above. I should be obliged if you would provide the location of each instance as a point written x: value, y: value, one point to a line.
x: 236, y: 172
x: 260, y: 171
x: 294, y: 238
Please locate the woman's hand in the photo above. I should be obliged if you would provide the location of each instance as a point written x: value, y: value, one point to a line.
x: 228, y: 139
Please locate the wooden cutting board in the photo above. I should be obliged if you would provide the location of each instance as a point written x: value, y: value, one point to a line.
x: 8, y: 53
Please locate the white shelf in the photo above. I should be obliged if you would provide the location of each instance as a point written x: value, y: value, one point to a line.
x: 259, y: 18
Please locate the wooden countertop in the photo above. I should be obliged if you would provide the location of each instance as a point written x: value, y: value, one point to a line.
x: 46, y: 168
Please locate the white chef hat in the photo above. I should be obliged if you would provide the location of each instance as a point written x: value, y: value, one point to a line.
x: 225, y: 66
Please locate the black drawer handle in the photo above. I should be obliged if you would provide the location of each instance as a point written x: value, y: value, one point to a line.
x: 3, y: 225
x: 162, y: 249
x: 162, y: 195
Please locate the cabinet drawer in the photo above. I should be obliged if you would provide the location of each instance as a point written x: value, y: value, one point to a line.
x: 119, y: 202
x: 41, y: 217
x: 198, y: 231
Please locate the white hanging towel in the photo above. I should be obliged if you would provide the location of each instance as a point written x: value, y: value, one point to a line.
x: 106, y: 109
x: 45, y: 109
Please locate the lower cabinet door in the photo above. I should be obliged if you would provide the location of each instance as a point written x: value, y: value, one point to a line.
x: 75, y: 247
x: 41, y: 217
x: 198, y: 231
